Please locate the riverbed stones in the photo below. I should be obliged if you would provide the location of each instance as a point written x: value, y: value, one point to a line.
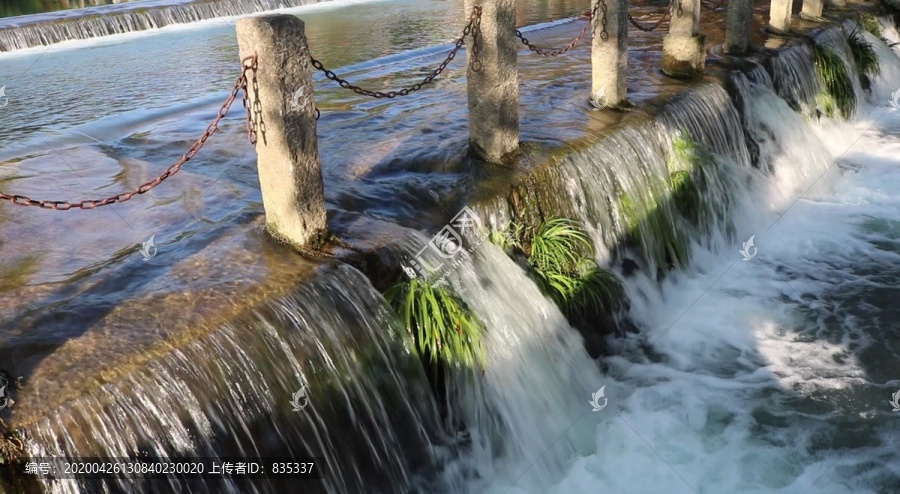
x: 609, y: 54
x: 493, y: 81
x: 683, y: 47
x: 284, y: 118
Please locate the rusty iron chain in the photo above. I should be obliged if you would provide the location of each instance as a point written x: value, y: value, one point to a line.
x: 248, y: 63
x: 666, y: 15
x: 473, y: 27
x: 251, y: 132
x: 475, y: 22
x: 604, y: 34
x: 548, y: 53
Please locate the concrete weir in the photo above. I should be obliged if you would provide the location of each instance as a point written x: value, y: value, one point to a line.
x: 97, y: 361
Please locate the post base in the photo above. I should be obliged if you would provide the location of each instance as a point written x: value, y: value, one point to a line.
x: 684, y: 57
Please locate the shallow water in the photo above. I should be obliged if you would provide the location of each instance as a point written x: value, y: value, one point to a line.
x: 770, y: 375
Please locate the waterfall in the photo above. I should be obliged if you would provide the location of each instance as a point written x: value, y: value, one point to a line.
x: 525, y: 425
x: 794, y: 77
x: 370, y: 413
x: 30, y: 31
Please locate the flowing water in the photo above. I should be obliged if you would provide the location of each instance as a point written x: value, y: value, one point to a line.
x: 110, y: 18
x: 766, y: 375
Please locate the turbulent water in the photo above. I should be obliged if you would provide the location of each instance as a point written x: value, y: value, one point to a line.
x: 763, y: 371
x: 767, y: 375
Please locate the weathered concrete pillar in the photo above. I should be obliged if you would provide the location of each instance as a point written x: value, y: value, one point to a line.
x: 737, y: 26
x: 684, y: 55
x: 284, y: 116
x: 812, y: 9
x: 609, y: 53
x: 493, y: 81
x: 780, y: 14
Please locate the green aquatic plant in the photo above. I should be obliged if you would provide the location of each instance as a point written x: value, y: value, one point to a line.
x: 584, y: 292
x: 559, y: 258
x: 558, y: 245
x: 507, y: 237
x: 836, y: 97
x: 869, y: 22
x: 864, y: 55
x: 441, y: 325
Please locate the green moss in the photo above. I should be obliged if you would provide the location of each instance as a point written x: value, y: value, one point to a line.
x: 836, y: 97
x: 686, y: 196
x: 628, y: 213
x: 654, y: 228
x: 441, y: 325
x: 16, y: 276
x: 688, y: 168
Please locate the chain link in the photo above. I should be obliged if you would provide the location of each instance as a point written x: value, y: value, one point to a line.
x: 540, y: 51
x: 604, y: 34
x: 666, y: 15
x: 680, y: 11
x: 251, y: 132
x: 248, y: 63
x: 475, y: 22
x: 473, y: 27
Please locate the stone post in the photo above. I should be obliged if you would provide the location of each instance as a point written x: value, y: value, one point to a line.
x: 684, y: 55
x: 780, y: 15
x: 737, y: 26
x: 609, y: 53
x: 284, y: 116
x: 812, y: 9
x: 493, y: 81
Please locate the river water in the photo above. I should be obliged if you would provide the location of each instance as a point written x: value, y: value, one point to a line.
x: 766, y: 375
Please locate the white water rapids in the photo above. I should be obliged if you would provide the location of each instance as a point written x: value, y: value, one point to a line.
x: 771, y: 375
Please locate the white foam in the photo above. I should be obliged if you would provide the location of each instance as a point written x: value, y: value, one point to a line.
x: 759, y: 381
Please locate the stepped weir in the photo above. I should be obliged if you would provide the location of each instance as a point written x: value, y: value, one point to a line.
x: 277, y: 332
